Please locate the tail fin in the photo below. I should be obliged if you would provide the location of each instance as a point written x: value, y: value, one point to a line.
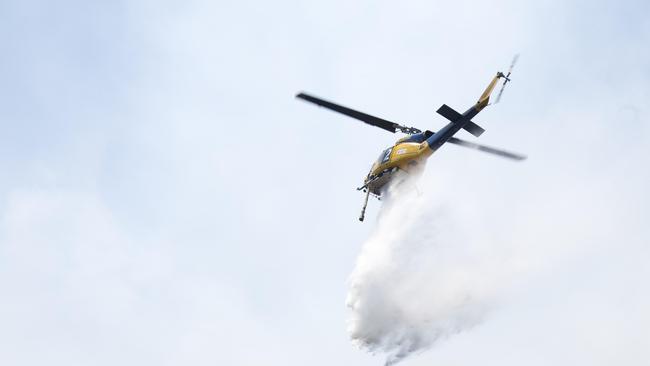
x: 484, y: 99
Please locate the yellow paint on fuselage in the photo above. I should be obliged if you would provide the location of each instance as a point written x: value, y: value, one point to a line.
x: 484, y: 99
x: 405, y: 156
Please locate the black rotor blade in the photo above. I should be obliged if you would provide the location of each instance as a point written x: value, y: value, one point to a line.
x: 487, y: 149
x: 371, y: 120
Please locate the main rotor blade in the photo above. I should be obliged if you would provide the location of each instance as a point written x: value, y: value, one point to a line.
x: 371, y: 120
x: 487, y: 149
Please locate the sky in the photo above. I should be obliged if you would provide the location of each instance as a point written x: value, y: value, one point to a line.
x: 164, y: 199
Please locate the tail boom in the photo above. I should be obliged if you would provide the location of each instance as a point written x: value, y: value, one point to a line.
x: 462, y: 121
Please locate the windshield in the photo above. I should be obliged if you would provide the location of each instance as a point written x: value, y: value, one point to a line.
x: 384, y: 156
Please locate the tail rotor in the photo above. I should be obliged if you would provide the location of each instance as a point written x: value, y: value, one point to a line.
x: 506, y: 78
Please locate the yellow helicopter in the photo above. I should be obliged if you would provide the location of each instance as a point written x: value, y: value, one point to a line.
x: 409, y: 154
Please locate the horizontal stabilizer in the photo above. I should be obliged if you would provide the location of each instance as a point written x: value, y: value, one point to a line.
x: 449, y: 113
x: 473, y: 128
x: 469, y: 126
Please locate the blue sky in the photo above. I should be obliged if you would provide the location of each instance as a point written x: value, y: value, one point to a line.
x: 165, y: 200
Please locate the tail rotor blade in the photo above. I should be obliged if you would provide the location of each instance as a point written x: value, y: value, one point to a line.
x: 512, y: 64
x: 501, y: 91
x: 507, y: 78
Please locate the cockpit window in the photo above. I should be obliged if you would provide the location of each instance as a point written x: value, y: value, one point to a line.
x: 384, y: 156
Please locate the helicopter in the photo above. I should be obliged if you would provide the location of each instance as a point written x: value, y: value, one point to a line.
x: 410, y: 153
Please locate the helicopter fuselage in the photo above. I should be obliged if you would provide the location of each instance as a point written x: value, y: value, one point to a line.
x: 408, y: 155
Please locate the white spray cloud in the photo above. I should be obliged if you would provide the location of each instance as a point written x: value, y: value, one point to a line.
x: 421, y: 277
x: 438, y: 264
